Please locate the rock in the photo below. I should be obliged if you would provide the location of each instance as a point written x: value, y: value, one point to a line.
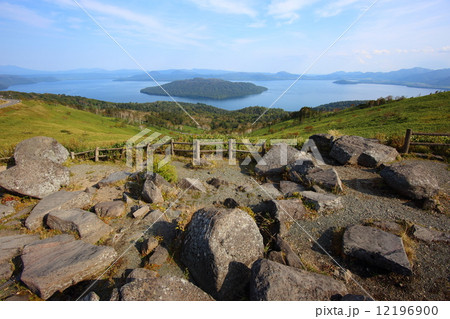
x: 115, y: 295
x: 159, y: 256
x: 429, y: 235
x: 153, y: 217
x: 288, y: 189
x: 113, y: 178
x: 323, y: 142
x: 165, y: 288
x: 269, y: 190
x: 362, y: 151
x: 40, y: 148
x: 230, y: 203
x: 377, y: 248
x: 326, y: 178
x: 192, y: 184
x: 218, y: 249
x: 36, y: 178
x: 217, y: 182
x: 57, y: 263
x: 244, y: 188
x: 126, y: 197
x: 276, y: 256
x: 141, y: 274
x: 114, y: 209
x: 91, y: 296
x: 298, y: 170
x: 322, y: 202
x: 55, y: 201
x: 151, y: 193
x: 389, y: 226
x: 285, y: 212
x: 6, y: 210
x: 6, y: 270
x: 159, y: 181
x: 141, y: 212
x: 276, y: 159
x: 148, y: 245
x: 411, y: 179
x: 11, y: 246
x: 318, y: 189
x: 87, y: 225
x: 290, y: 257
x: 91, y: 190
x: 272, y: 281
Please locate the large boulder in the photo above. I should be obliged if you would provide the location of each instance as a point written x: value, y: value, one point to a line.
x: 192, y: 184
x: 159, y: 181
x: 411, y: 179
x: 272, y: 281
x: 377, y: 248
x: 55, y: 201
x: 113, y: 209
x: 40, y: 148
x: 323, y: 142
x: 165, y: 288
x: 276, y: 159
x: 11, y: 246
x: 326, y: 178
x: 286, y: 212
x: 322, y: 202
x: 362, y: 151
x: 152, y: 193
x: 86, y: 224
x: 289, y: 189
x: 57, y: 263
x: 219, y: 247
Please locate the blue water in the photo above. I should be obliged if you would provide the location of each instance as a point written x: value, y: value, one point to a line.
x: 304, y: 93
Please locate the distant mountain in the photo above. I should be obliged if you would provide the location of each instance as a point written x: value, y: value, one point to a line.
x: 206, y: 88
x: 8, y: 80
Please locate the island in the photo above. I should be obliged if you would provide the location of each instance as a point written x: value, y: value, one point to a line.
x: 206, y: 88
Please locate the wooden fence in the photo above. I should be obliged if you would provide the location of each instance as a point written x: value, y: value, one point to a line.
x: 410, y: 133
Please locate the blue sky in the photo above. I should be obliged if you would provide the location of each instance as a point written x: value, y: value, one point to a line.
x: 239, y: 35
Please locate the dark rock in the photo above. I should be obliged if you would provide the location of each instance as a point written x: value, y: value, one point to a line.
x: 377, y: 248
x: 159, y: 256
x: 115, y: 208
x: 298, y: 170
x: 230, y: 203
x: 165, y: 288
x: 86, y: 224
x: 291, y: 258
x: 217, y: 182
x: 272, y: 281
x: 192, y: 184
x: 11, y: 246
x: 411, y: 179
x: 55, y: 201
x: 285, y: 212
x: 6, y: 210
x: 91, y: 296
x: 57, y: 263
x: 326, y: 178
x: 429, y: 235
x: 148, y: 245
x: 6, y: 270
x: 276, y: 256
x: 218, y: 249
x: 159, y: 181
x: 323, y: 142
x: 152, y: 193
x: 40, y: 148
x: 276, y: 159
x: 322, y: 202
x: 288, y: 189
x: 113, y: 178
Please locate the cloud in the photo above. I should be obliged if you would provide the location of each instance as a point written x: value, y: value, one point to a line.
x: 335, y: 8
x: 287, y: 9
x: 241, y: 7
x: 382, y: 51
x: 19, y: 13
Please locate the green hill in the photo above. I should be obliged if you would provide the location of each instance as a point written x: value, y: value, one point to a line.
x: 206, y: 88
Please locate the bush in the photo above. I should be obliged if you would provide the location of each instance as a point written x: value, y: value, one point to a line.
x: 168, y: 171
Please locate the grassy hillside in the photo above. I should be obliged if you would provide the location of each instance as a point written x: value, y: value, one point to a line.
x: 75, y: 129
x: 428, y: 114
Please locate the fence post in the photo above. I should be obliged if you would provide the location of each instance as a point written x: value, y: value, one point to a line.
x: 264, y: 148
x: 231, y: 153
x: 405, y: 148
x: 72, y: 155
x: 196, y: 152
x: 171, y: 147
x: 96, y: 154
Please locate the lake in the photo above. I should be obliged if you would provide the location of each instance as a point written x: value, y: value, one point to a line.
x: 304, y: 93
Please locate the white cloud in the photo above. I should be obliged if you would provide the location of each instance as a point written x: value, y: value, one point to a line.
x: 227, y: 6
x: 287, y: 9
x: 19, y: 13
x: 335, y: 8
x: 382, y: 51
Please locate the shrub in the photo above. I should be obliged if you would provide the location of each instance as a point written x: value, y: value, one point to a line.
x: 168, y: 171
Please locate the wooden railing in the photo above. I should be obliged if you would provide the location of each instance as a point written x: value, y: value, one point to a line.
x: 410, y: 133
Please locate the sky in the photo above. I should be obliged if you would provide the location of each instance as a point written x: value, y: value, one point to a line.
x: 236, y: 35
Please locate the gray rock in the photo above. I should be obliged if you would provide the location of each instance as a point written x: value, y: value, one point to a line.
x: 40, y: 148
x: 270, y: 191
x: 115, y: 295
x: 318, y: 189
x: 151, y: 193
x: 289, y: 256
x: 86, y: 224
x: 288, y: 189
x: 376, y: 247
x: 114, y: 209
x: 276, y: 159
x: 11, y: 246
x: 91, y: 296
x: 322, y: 202
x: 165, y: 288
x: 115, y: 177
x: 55, y: 201
x: 127, y: 199
x: 36, y: 178
x: 148, y: 245
x: 323, y: 142
x: 218, y: 249
x: 389, y: 226
x: 217, y: 182
x: 6, y: 210
x: 159, y: 256
x: 159, y: 181
x: 141, y: 274
x: 362, y: 151
x: 153, y: 217
x: 91, y: 190
x: 429, y: 235
x: 299, y: 169
x: 192, y: 184
x: 285, y: 212
x: 141, y: 212
x: 272, y: 281
x: 411, y: 179
x: 57, y: 263
x: 230, y: 203
x: 326, y: 178
x: 276, y: 256
x: 6, y: 270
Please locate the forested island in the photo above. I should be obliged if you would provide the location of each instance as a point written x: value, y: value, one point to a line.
x: 206, y: 88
